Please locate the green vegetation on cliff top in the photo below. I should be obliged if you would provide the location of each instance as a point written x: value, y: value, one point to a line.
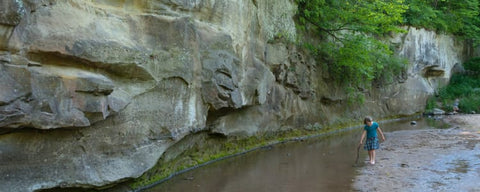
x: 458, y: 17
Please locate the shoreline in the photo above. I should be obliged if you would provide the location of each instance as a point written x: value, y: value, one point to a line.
x: 427, y: 159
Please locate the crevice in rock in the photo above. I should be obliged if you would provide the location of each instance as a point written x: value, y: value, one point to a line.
x: 433, y: 71
x: 330, y: 101
x: 213, y: 115
x: 124, y: 70
x: 32, y: 130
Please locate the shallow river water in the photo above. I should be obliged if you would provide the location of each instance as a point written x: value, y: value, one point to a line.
x: 324, y: 163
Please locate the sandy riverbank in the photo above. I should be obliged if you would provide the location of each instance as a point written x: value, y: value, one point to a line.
x: 427, y: 160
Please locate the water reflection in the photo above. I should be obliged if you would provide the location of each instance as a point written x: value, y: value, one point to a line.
x: 318, y: 164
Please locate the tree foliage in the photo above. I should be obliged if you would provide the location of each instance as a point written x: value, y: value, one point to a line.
x: 458, y: 17
x: 462, y: 86
x: 347, y: 29
x: 367, y: 16
x: 473, y: 65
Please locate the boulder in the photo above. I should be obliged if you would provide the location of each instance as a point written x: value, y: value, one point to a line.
x: 437, y: 111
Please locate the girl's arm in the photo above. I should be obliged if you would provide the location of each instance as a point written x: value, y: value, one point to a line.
x: 381, y: 133
x: 363, y: 136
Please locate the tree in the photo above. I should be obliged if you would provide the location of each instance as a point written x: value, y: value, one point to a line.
x: 458, y: 17
x: 347, y: 29
x: 367, y: 16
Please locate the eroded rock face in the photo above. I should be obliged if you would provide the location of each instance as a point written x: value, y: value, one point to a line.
x: 93, y: 93
x: 220, y: 83
x: 12, y: 12
x: 117, y: 83
x: 432, y: 58
x: 46, y: 97
x: 115, y: 88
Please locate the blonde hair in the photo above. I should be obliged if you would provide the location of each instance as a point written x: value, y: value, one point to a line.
x: 367, y: 119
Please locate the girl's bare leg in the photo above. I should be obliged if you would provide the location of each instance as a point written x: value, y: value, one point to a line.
x: 373, y: 157
x: 370, y: 155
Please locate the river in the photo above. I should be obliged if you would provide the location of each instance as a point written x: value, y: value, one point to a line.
x: 324, y: 163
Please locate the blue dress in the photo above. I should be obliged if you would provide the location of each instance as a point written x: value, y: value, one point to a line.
x: 372, y: 139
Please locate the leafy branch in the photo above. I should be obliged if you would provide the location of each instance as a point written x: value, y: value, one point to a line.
x: 346, y: 29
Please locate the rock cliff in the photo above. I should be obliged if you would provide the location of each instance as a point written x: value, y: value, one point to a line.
x: 94, y: 92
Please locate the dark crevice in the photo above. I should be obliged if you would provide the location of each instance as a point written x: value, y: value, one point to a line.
x: 125, y: 70
x: 213, y: 115
x: 329, y: 101
x: 96, y: 92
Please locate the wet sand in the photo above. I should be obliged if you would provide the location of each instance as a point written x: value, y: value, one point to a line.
x: 426, y: 160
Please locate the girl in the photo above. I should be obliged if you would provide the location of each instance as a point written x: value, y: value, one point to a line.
x: 371, y: 143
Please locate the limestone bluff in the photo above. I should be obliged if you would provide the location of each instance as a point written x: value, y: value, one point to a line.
x: 93, y: 92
